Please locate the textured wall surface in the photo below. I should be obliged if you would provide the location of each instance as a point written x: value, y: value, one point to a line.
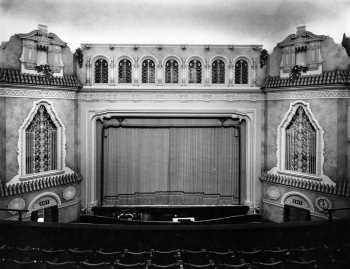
x: 330, y: 115
x: 17, y: 110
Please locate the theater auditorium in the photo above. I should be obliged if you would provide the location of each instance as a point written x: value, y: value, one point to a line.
x: 174, y: 156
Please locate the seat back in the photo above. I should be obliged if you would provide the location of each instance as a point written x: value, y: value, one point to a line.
x: 200, y: 257
x: 53, y: 255
x: 79, y: 255
x: 16, y: 264
x: 134, y: 257
x: 101, y: 265
x: 165, y: 257
x: 60, y: 265
x: 120, y: 265
x: 198, y: 266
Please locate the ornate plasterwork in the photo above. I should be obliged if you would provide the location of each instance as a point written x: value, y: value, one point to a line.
x: 281, y: 144
x: 308, y: 94
x: 38, y: 94
x: 61, y: 141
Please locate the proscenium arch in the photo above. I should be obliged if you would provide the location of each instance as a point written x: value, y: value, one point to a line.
x: 89, y: 168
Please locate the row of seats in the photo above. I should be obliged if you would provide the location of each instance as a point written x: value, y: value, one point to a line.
x: 302, y: 257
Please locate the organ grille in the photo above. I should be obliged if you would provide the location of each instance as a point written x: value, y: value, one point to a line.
x: 41, y: 143
x: 301, y: 144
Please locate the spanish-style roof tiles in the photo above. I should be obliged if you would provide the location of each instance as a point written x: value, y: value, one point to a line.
x: 326, y: 78
x: 14, y: 76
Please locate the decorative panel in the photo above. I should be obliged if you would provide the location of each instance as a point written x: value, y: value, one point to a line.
x: 195, y: 71
x: 148, y: 71
x: 124, y: 74
x: 171, y: 71
x: 101, y: 71
x: 241, y: 72
x: 218, y: 72
x: 300, y: 144
x: 41, y: 143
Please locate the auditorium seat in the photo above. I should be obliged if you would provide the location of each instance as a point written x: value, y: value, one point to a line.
x: 277, y: 253
x: 243, y: 265
x: 301, y: 264
x: 60, y: 265
x: 25, y: 254
x: 251, y: 255
x: 78, y: 255
x: 165, y: 257
x: 129, y: 257
x: 101, y: 265
x: 16, y: 264
x: 141, y: 265
x: 221, y: 257
x: 107, y: 256
x: 53, y: 255
x: 197, y: 257
x: 271, y: 263
x: 168, y: 266
x: 305, y: 253
x: 197, y: 266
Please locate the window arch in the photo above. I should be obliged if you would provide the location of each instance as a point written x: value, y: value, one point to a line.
x: 218, y: 72
x: 241, y: 72
x: 195, y: 71
x: 300, y: 144
x: 124, y: 74
x: 101, y: 71
x: 41, y: 142
x: 171, y: 71
x: 148, y: 71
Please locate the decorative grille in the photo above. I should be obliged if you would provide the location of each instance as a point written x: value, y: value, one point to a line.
x: 195, y: 71
x: 241, y: 72
x: 301, y: 144
x: 101, y: 71
x: 125, y: 71
x: 148, y: 71
x: 171, y: 71
x: 41, y: 143
x: 218, y: 72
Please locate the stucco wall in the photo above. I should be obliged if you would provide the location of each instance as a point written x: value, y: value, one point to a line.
x: 11, y: 53
x: 330, y: 115
x: 17, y: 110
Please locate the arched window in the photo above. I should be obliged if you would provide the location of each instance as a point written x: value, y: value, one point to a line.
x: 241, y: 72
x: 218, y: 72
x: 300, y: 144
x: 101, y: 71
x: 148, y: 71
x: 41, y: 143
x: 171, y: 71
x: 195, y: 71
x: 124, y: 71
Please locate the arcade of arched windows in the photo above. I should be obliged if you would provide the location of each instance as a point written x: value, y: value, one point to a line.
x: 239, y: 72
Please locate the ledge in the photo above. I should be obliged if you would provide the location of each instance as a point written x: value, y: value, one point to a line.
x: 326, y: 78
x: 14, y: 76
x: 342, y: 189
x: 38, y: 184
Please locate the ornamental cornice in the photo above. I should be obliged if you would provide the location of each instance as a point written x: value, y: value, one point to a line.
x: 38, y: 93
x: 308, y: 94
x: 181, y: 97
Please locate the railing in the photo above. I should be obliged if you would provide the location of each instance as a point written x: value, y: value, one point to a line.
x: 332, y: 210
x: 19, y: 211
